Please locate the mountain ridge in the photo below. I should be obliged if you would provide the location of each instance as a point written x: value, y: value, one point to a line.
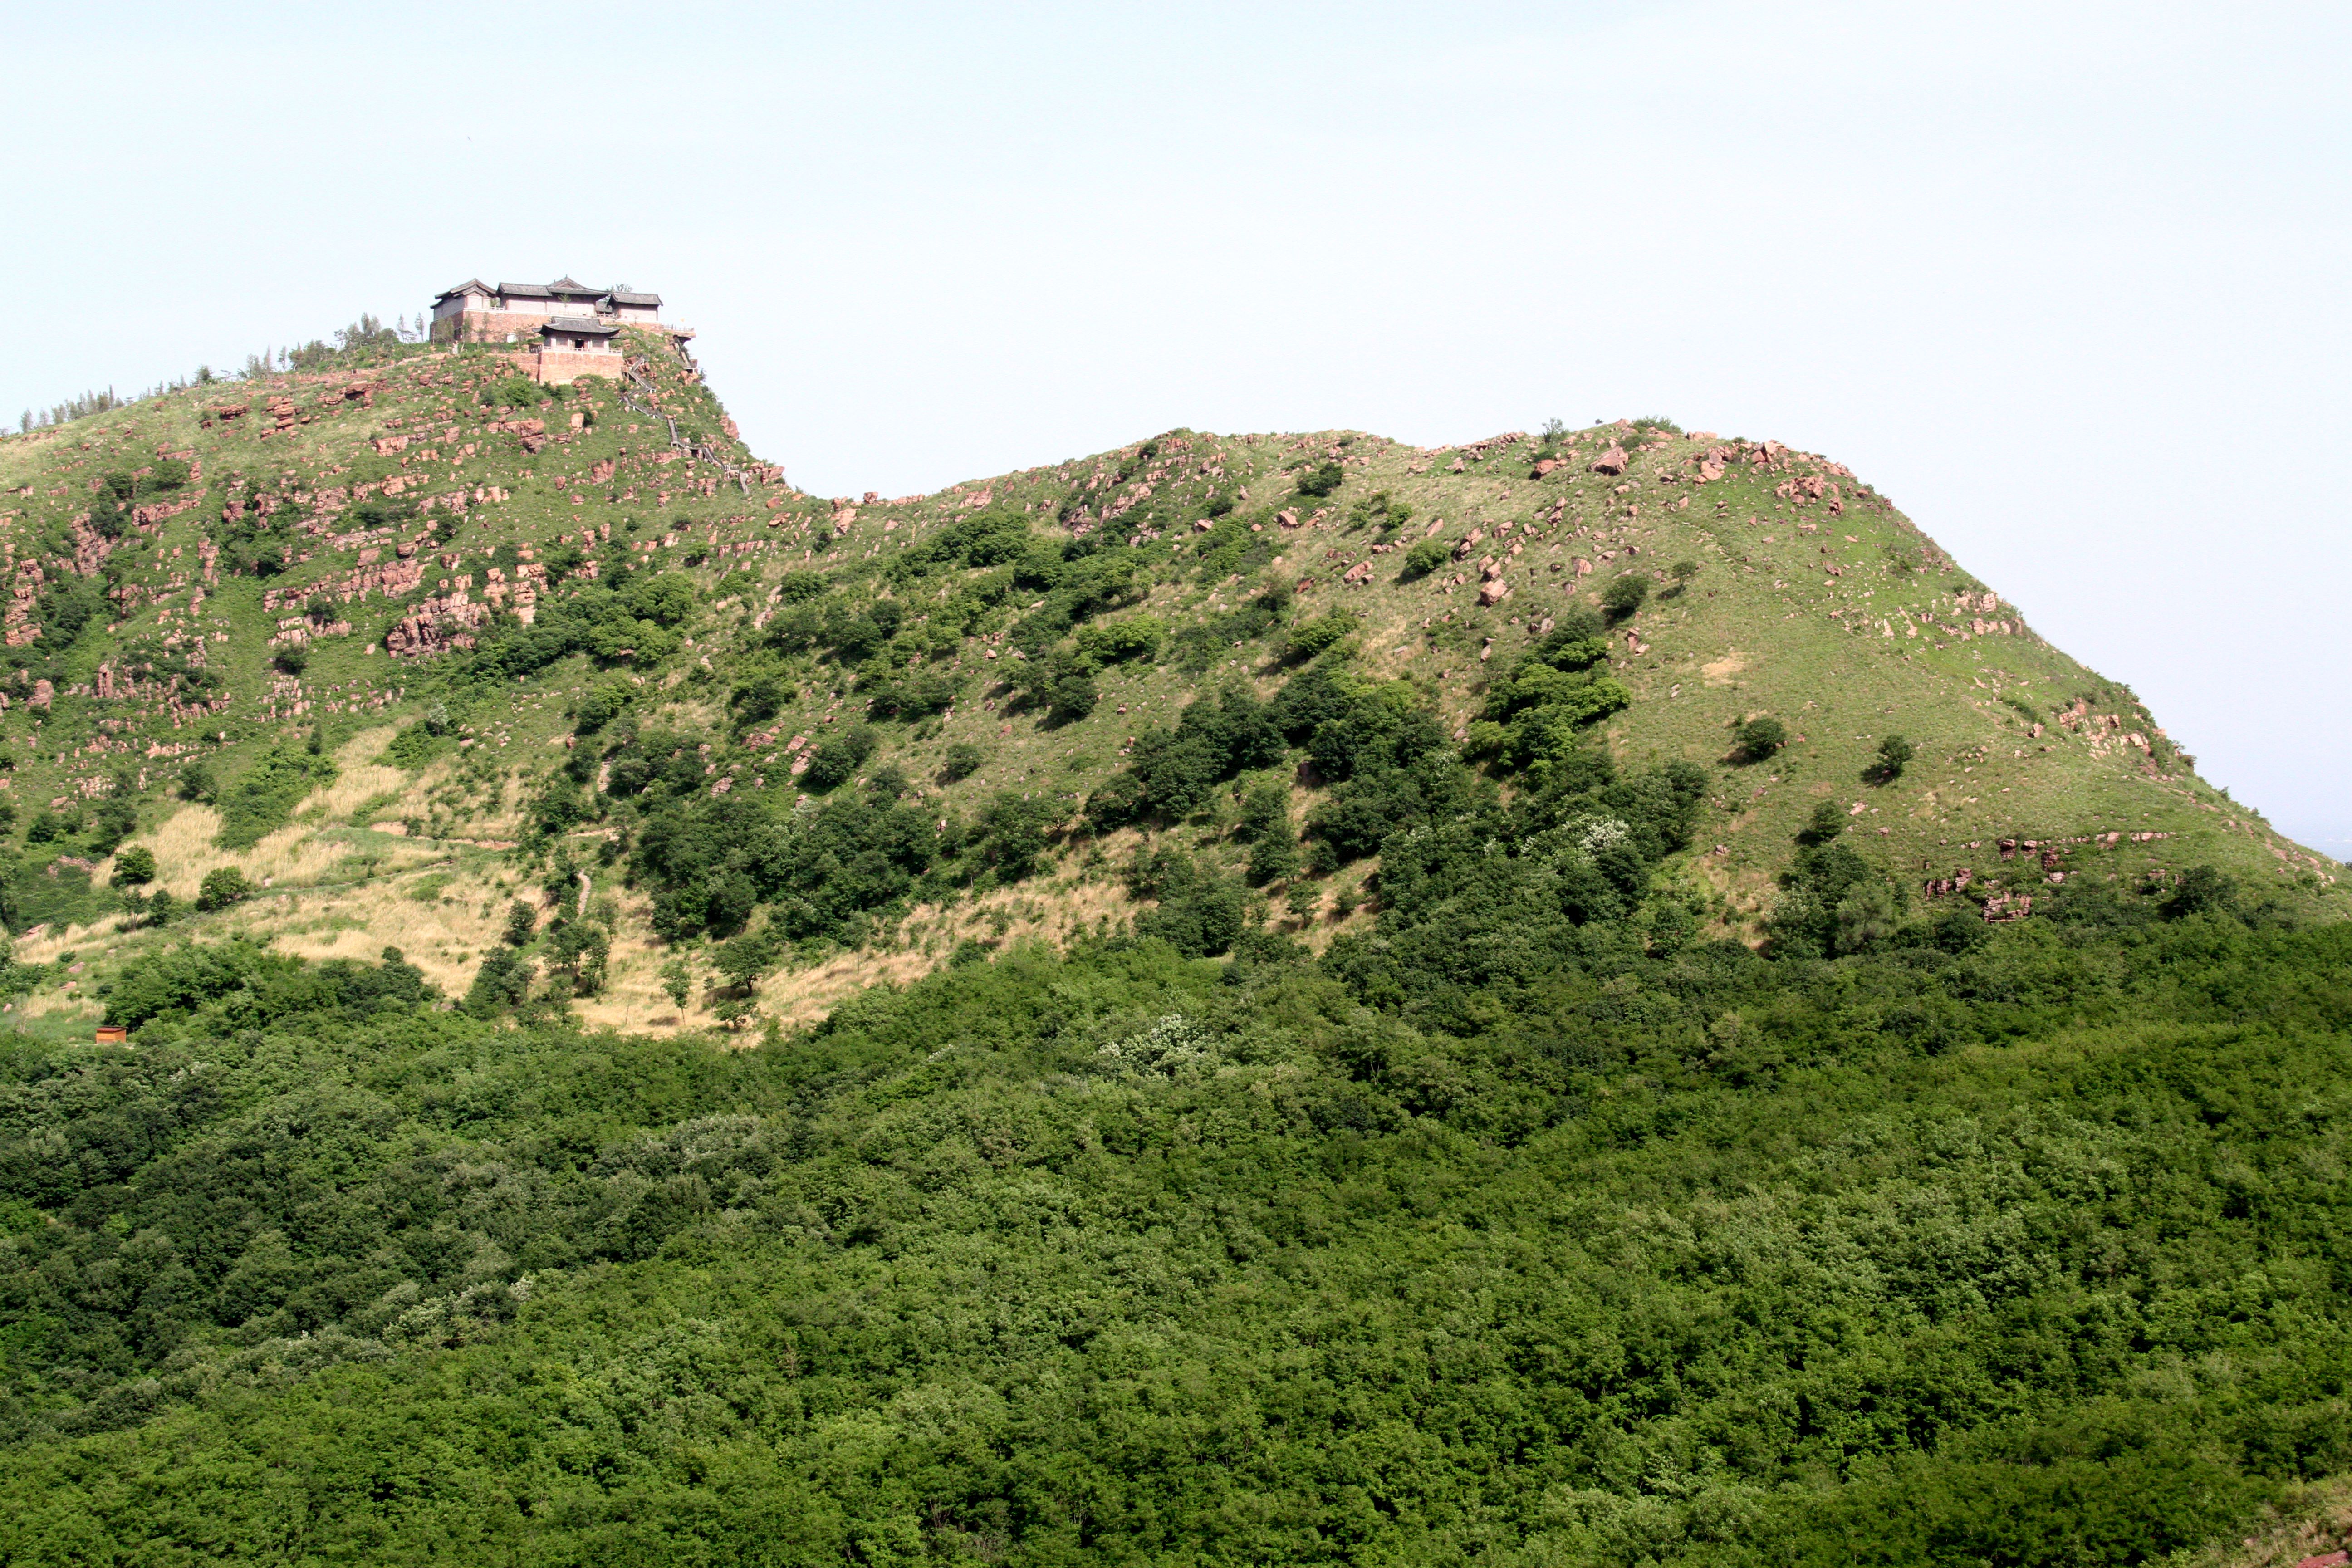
x: 361, y: 526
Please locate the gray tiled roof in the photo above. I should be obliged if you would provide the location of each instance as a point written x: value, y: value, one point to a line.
x: 460, y: 289
x: 526, y: 290
x: 571, y: 285
x: 580, y: 324
x: 621, y: 299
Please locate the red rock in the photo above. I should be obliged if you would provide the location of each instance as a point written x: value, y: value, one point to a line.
x: 1612, y: 461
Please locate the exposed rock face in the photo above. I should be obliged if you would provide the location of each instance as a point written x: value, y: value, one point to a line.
x: 1612, y: 461
x: 391, y: 578
x: 18, y: 624
x: 440, y: 624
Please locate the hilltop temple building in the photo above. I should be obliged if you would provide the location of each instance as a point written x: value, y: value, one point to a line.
x: 576, y: 329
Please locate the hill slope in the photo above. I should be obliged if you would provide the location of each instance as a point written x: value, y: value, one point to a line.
x: 1486, y: 1096
x: 228, y: 576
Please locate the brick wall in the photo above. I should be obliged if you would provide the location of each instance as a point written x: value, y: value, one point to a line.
x: 556, y: 369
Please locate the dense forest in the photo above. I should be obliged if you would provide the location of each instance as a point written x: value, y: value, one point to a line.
x: 1506, y: 1234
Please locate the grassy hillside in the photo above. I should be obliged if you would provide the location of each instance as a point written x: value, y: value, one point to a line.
x: 227, y: 577
x: 1582, y: 999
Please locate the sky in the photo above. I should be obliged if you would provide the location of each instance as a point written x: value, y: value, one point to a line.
x: 2067, y: 281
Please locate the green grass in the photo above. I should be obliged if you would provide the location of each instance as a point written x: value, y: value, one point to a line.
x: 1754, y: 633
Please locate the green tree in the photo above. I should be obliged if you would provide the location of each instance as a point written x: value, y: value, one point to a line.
x: 223, y: 886
x: 742, y: 962
x: 1867, y: 915
x: 134, y: 866
x: 1894, y: 754
x: 522, y: 921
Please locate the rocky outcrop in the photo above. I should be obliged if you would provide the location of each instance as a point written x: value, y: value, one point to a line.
x: 440, y: 622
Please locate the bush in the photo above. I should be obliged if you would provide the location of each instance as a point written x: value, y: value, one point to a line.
x: 293, y: 659
x: 1827, y: 822
x: 223, y: 886
x: 2202, y: 890
x: 1425, y: 557
x: 195, y: 782
x: 1625, y: 595
x: 1116, y: 642
x: 1318, y: 636
x: 1760, y: 738
x: 798, y: 587
x: 1321, y: 481
x: 522, y: 919
x: 838, y: 758
x: 1274, y: 856
x: 962, y: 760
x: 266, y: 793
x: 1200, y: 914
x: 599, y: 706
x: 134, y: 866
x: 1070, y: 696
x: 1893, y: 754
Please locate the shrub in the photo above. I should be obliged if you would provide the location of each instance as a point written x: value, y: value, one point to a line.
x: 521, y: 922
x: 1266, y: 809
x: 1070, y: 695
x: 113, y: 820
x: 798, y: 587
x: 134, y: 866
x: 1867, y: 915
x: 293, y: 659
x: 1116, y: 642
x: 1625, y: 595
x: 195, y: 782
x: 962, y: 760
x: 838, y: 758
x: 1826, y: 823
x: 223, y: 886
x: 2202, y: 890
x: 1318, y: 636
x: 1274, y: 856
x: 1894, y: 754
x: 1760, y: 738
x: 503, y: 980
x: 599, y: 706
x: 266, y: 793
x: 1321, y: 481
x: 1426, y: 557
x: 1200, y: 914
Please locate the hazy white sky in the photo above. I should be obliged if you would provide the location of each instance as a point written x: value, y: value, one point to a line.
x: 2066, y: 281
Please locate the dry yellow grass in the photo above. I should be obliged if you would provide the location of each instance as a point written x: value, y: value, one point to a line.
x: 444, y: 937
